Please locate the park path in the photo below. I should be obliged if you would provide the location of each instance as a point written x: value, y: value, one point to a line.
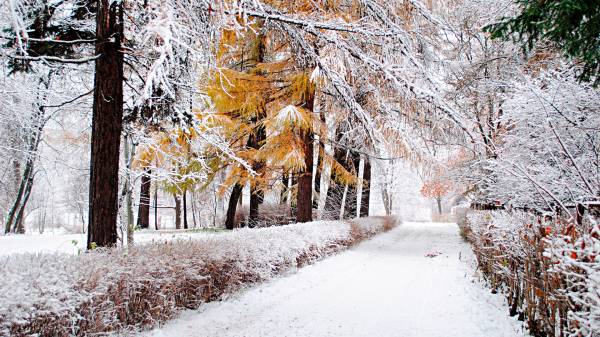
x: 417, y: 280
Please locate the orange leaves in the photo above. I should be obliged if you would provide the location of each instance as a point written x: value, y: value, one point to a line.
x: 436, y: 188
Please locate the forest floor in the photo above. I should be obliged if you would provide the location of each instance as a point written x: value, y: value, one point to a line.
x: 417, y: 280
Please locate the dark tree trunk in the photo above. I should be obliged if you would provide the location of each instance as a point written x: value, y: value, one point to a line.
x: 256, y: 198
x: 304, y: 200
x: 143, y: 220
x: 20, y: 219
x: 439, y: 205
x: 236, y: 194
x: 185, y: 220
x: 366, y: 192
x: 256, y: 195
x: 579, y: 214
x: 106, y: 125
x: 284, y: 191
x: 13, y: 214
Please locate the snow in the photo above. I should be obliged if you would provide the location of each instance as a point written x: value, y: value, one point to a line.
x: 74, y: 243
x: 89, y: 292
x: 387, y: 286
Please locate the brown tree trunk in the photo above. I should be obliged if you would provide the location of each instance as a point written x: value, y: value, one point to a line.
x: 106, y: 125
x: 304, y: 201
x: 236, y: 193
x: 177, y: 198
x: 366, y: 192
x: 143, y: 220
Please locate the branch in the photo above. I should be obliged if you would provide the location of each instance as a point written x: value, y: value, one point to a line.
x: 309, y: 24
x: 55, y: 59
x: 564, y: 148
x: 69, y: 101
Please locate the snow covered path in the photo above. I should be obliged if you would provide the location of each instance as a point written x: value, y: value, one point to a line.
x: 384, y: 287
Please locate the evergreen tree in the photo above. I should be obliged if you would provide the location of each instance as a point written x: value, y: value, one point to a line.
x: 573, y: 25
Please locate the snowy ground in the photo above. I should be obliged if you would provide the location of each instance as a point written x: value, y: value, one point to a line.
x: 73, y: 243
x: 388, y: 286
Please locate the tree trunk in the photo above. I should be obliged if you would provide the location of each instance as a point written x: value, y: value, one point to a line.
x: 256, y: 195
x: 177, y: 198
x: 19, y: 227
x: 106, y: 125
x: 236, y: 193
x: 366, y: 191
x: 352, y: 164
x: 15, y: 220
x: 185, y: 220
x: 156, y: 208
x: 193, y: 202
x: 304, y: 197
x: 143, y: 220
x: 359, y: 185
x: 324, y: 181
x: 316, y: 176
x: 11, y: 221
x: 439, y: 205
x: 387, y: 200
x: 256, y: 198
x: 128, y: 191
x: 304, y: 203
x: 343, y: 203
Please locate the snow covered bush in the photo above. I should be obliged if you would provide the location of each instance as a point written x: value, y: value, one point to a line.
x: 547, y: 267
x: 113, y: 290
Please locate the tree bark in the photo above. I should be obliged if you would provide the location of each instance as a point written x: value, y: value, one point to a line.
x: 304, y: 203
x: 106, y: 125
x: 304, y: 197
x: 256, y: 195
x: 185, y: 220
x: 236, y: 193
x: 143, y: 220
x: 177, y: 198
x: 366, y: 192
x: 439, y: 205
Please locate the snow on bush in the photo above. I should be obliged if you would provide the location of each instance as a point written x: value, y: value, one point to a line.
x: 111, y: 290
x: 548, y: 268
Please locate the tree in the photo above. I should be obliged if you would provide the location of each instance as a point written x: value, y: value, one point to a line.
x: 106, y: 125
x: 143, y: 220
x: 436, y: 189
x: 572, y: 25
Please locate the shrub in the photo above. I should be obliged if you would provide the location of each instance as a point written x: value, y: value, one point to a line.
x: 112, y: 290
x: 548, y: 269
